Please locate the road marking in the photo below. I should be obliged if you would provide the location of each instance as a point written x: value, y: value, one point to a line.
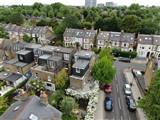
x: 117, y: 88
x: 121, y: 118
x: 129, y: 118
x: 119, y: 103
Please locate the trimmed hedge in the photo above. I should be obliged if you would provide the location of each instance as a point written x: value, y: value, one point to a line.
x: 127, y: 54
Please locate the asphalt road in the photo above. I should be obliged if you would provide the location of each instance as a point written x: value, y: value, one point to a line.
x: 120, y: 110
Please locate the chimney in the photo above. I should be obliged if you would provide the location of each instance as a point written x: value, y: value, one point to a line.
x: 44, y: 98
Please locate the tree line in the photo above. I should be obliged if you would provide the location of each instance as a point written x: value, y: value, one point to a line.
x: 135, y: 18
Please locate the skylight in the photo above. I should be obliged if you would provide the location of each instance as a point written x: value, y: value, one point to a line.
x: 33, y: 117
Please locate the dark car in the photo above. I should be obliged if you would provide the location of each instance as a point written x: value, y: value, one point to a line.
x: 123, y: 59
x: 131, y: 103
x: 108, y: 104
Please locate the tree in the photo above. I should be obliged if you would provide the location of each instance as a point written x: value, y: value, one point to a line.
x: 16, y: 18
x: 3, y: 105
x: 151, y: 102
x: 27, y: 38
x: 131, y: 23
x: 103, y: 69
x: 67, y: 105
x: 3, y: 33
x: 148, y: 26
x: 61, y: 79
x: 56, y: 98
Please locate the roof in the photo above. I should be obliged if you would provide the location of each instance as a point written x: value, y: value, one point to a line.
x: 156, y: 39
x: 47, y: 48
x: 33, y: 45
x: 115, y: 36
x: 44, y: 57
x: 13, y: 77
x: 79, y: 33
x: 4, y: 75
x: 20, y: 64
x: 145, y: 39
x: 84, y: 53
x: 81, y: 64
x: 23, y: 52
x: 103, y: 35
x: 128, y: 37
x: 22, y: 110
x: 55, y: 58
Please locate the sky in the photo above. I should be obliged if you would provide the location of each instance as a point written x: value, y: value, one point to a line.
x: 80, y: 2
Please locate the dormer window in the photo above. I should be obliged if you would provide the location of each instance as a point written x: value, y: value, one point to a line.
x: 146, y: 38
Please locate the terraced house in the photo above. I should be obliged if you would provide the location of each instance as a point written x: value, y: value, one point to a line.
x: 42, y: 35
x: 119, y: 40
x: 85, y: 38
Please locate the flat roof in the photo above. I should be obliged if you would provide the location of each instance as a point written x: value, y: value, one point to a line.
x: 55, y: 58
x: 13, y: 77
x: 84, y: 53
x: 81, y: 64
x: 20, y: 64
x: 23, y: 52
x: 44, y: 57
x: 4, y: 75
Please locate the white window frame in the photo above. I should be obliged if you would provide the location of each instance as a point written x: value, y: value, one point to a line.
x: 78, y: 70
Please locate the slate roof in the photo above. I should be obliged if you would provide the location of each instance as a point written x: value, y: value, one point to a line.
x: 81, y: 64
x: 31, y: 106
x: 145, y: 39
x: 79, y: 33
x: 128, y: 37
x: 84, y: 54
x: 156, y: 39
x: 103, y: 35
x: 115, y: 36
x: 13, y: 77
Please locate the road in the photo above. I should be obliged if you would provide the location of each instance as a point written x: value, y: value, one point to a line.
x: 120, y: 110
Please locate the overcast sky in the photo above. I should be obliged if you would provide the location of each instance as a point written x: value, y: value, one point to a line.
x: 79, y: 2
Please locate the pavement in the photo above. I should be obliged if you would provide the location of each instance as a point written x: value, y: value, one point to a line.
x: 135, y: 92
x: 99, y: 115
x: 120, y: 110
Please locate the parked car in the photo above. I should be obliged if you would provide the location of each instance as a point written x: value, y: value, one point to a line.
x: 130, y: 103
x: 108, y: 104
x: 123, y: 59
x: 127, y: 89
x: 107, y: 88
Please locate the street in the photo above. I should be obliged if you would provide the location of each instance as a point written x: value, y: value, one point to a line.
x: 120, y: 110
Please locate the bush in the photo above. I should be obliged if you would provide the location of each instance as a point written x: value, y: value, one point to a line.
x: 96, y: 50
x: 69, y: 117
x: 128, y: 54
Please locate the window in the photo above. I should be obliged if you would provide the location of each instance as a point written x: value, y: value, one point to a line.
x: 124, y: 45
x: 77, y: 70
x: 21, y: 57
x: 66, y: 56
x: 115, y: 44
x: 142, y: 47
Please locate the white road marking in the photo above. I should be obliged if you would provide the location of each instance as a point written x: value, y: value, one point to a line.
x: 119, y: 103
x: 121, y: 118
x: 129, y: 118
x: 117, y: 88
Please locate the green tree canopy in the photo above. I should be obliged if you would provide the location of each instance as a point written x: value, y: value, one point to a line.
x: 151, y: 102
x: 27, y: 38
x: 103, y: 69
x: 131, y: 23
x: 67, y: 105
x: 3, y: 33
x: 61, y: 79
x: 16, y: 18
x: 3, y: 105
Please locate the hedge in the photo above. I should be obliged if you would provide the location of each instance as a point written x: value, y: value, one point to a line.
x: 128, y: 54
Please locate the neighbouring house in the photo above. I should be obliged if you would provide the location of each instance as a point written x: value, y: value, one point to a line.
x: 32, y: 108
x: 51, y: 60
x: 42, y: 35
x: 156, y: 46
x: 81, y: 69
x: 145, y: 45
x: 22, y: 63
x: 127, y: 41
x: 85, y: 38
x: 115, y: 40
x: 102, y: 39
x: 10, y: 81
